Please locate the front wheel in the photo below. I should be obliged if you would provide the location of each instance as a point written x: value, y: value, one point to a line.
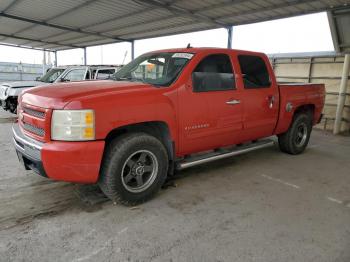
x: 134, y: 168
x: 12, y: 105
x: 295, y: 140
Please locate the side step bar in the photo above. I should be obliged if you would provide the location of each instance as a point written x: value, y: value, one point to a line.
x: 238, y: 150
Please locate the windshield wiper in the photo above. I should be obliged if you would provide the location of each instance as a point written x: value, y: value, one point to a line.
x: 122, y: 78
x: 131, y: 79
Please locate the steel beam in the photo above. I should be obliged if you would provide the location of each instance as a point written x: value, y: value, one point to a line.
x: 43, y: 23
x: 44, y: 62
x: 342, y: 95
x: 183, y: 12
x: 26, y: 47
x: 132, y: 50
x: 59, y: 15
x: 55, y: 58
x: 10, y: 5
x: 85, y: 59
x: 37, y: 40
x: 229, y: 37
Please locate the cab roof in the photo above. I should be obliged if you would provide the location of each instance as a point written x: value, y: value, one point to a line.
x: 196, y: 50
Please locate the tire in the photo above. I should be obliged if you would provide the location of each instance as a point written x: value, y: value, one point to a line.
x: 12, y: 106
x: 134, y: 168
x: 295, y: 140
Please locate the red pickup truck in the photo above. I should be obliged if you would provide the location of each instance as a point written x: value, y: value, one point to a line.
x: 164, y: 111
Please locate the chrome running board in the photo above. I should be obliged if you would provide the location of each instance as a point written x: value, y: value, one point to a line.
x: 216, y: 155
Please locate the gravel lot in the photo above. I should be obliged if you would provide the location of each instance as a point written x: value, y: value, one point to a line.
x: 262, y: 206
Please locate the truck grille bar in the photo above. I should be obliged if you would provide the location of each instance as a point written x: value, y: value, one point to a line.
x: 34, y: 129
x: 34, y: 121
x: 33, y: 112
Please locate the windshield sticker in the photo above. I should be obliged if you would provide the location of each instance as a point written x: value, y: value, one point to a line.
x: 182, y: 55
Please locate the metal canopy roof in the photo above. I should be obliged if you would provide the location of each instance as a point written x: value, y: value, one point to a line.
x: 339, y: 21
x: 65, y: 24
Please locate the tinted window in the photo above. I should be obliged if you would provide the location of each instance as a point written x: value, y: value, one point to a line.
x: 52, y: 75
x: 213, y: 73
x: 254, y: 71
x: 75, y: 75
x: 104, y: 73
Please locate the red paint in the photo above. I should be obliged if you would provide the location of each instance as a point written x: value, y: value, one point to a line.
x: 118, y: 104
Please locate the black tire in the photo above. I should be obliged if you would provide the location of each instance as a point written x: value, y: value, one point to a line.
x: 126, y: 159
x: 295, y: 140
x: 12, y: 106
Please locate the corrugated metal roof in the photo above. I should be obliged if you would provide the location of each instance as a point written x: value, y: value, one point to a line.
x: 65, y: 24
x: 339, y: 21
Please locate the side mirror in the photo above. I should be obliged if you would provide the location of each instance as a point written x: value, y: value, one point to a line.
x: 37, y: 78
x: 63, y: 80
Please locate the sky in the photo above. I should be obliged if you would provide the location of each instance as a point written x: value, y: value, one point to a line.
x: 308, y: 33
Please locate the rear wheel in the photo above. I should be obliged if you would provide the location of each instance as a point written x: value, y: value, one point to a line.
x: 134, y: 168
x: 295, y: 140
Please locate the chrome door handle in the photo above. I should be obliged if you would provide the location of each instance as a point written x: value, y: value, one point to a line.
x: 233, y: 102
x: 271, y: 101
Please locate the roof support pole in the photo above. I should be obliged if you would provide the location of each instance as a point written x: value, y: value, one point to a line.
x: 44, y: 62
x: 85, y: 61
x: 229, y: 37
x: 55, y: 58
x: 342, y: 95
x: 132, y: 49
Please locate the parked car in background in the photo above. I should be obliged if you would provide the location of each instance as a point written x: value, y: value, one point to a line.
x: 9, y: 91
x: 166, y: 110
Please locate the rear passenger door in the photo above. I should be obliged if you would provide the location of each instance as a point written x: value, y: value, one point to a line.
x: 261, y: 98
x: 211, y: 107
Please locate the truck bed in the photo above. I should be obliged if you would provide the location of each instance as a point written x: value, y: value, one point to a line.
x: 297, y: 94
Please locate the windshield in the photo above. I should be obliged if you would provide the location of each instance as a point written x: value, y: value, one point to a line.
x: 160, y: 69
x: 51, y: 75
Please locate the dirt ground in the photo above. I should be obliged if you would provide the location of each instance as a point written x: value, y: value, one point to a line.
x: 262, y: 206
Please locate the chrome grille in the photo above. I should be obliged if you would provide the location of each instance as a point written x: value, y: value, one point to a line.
x: 33, y: 112
x: 33, y: 129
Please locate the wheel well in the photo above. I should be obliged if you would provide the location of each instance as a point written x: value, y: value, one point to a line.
x: 157, y: 129
x: 309, y: 109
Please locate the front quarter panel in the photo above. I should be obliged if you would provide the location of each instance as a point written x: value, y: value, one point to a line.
x: 131, y: 107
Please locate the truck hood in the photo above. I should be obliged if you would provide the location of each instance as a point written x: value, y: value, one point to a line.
x: 20, y: 84
x: 57, y: 96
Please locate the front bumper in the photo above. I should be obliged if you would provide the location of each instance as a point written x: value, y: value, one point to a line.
x: 77, y: 162
x: 28, y: 151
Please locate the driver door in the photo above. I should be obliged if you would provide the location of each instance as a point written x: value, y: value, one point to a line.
x: 211, y: 106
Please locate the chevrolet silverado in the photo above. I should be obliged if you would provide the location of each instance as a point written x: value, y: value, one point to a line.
x: 164, y: 111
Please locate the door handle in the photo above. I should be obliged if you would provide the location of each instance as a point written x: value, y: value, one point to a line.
x: 271, y: 101
x: 233, y: 102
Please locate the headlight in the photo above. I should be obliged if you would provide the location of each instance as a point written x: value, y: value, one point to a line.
x: 73, y: 125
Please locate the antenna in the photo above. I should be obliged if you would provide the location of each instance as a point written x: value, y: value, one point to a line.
x: 126, y: 53
x: 189, y: 45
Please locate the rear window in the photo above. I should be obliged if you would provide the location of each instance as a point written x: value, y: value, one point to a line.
x: 254, y: 71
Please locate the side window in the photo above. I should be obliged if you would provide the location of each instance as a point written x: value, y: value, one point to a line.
x: 54, y: 76
x: 75, y: 75
x: 254, y: 71
x: 213, y: 73
x: 104, y: 73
